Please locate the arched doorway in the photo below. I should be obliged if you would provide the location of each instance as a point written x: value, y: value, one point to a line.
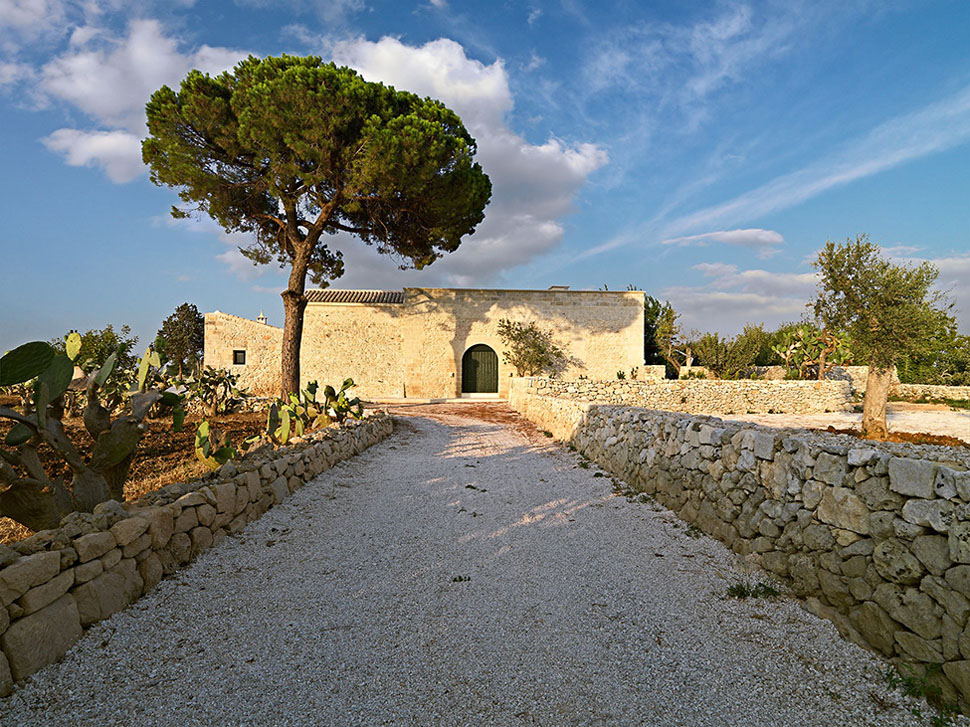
x: 479, y: 370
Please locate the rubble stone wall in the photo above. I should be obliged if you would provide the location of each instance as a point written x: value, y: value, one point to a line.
x: 58, y: 582
x: 704, y: 396
x: 874, y: 536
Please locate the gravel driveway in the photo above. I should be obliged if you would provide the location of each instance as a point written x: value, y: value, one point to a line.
x: 460, y: 573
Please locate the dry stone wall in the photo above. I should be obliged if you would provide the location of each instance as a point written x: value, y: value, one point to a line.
x: 875, y: 537
x: 703, y: 395
x: 931, y: 391
x: 58, y: 582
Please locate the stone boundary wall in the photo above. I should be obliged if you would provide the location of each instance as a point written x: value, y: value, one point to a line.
x: 703, y: 396
x: 873, y: 536
x: 56, y: 583
x: 931, y: 391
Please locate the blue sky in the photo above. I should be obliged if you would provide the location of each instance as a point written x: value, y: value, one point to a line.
x: 700, y: 151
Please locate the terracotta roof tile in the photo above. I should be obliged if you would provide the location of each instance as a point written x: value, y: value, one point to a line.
x: 328, y: 295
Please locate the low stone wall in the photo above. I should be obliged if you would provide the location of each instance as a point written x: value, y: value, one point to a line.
x: 58, y: 582
x: 703, y: 396
x: 930, y: 391
x: 875, y: 537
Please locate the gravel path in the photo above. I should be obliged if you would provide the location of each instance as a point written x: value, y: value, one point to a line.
x: 460, y: 574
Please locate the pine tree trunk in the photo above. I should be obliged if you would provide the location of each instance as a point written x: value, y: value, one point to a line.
x: 294, y: 303
x: 874, y: 406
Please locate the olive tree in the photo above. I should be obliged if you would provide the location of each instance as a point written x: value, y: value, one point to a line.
x: 888, y: 310
x: 290, y: 149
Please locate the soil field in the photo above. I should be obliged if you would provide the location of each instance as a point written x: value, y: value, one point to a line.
x: 163, y: 457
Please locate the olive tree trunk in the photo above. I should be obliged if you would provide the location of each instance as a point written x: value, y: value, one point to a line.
x: 874, y: 406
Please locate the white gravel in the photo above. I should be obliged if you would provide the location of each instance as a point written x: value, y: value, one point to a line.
x: 341, y: 607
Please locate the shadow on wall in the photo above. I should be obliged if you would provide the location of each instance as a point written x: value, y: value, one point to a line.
x: 460, y: 319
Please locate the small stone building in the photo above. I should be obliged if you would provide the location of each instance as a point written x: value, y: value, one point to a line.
x: 431, y: 343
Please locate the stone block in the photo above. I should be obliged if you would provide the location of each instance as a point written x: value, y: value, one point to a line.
x: 86, y: 571
x: 180, y: 546
x: 41, y: 638
x: 959, y: 579
x: 191, y: 499
x: 763, y: 445
x: 844, y: 509
x: 151, y: 571
x: 959, y: 541
x: 225, y: 496
x: 161, y: 525
x: 206, y: 514
x: 279, y: 490
x: 136, y: 546
x: 896, y: 563
x: 201, y: 540
x: 830, y: 468
x: 99, y: 598
x: 46, y: 593
x: 958, y: 672
x: 912, y: 608
x: 933, y: 552
x: 187, y: 520
x: 859, y: 456
x: 953, y: 603
x: 93, y: 545
x: 125, y: 531
x: 920, y: 649
x: 242, y: 499
x: 6, y: 678
x: 912, y: 477
x: 25, y: 573
x: 111, y: 558
x: 936, y: 514
x: 876, y: 626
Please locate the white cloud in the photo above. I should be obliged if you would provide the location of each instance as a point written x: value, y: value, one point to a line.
x: 440, y: 4
x: 26, y: 21
x: 11, y: 73
x: 111, y: 78
x: 118, y: 153
x: 534, y: 15
x: 534, y: 186
x: 733, y: 297
x: 332, y: 11
x: 766, y: 242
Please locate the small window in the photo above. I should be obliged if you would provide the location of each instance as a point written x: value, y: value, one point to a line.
x: 239, y: 358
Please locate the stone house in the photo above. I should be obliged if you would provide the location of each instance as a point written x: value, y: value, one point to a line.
x: 430, y: 343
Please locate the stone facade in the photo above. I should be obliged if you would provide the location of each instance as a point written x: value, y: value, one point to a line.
x: 873, y: 536
x: 931, y: 391
x: 704, y: 396
x: 58, y: 582
x: 414, y: 348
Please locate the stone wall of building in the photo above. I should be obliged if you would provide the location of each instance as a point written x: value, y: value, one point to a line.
x: 601, y: 330
x: 225, y: 333
x: 704, y: 396
x: 415, y: 349
x: 56, y: 583
x: 362, y: 342
x: 874, y: 536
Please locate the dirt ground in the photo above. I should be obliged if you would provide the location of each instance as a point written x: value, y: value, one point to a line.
x: 164, y: 456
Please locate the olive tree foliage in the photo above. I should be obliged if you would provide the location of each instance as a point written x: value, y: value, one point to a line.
x: 728, y: 357
x: 888, y: 310
x: 182, y: 338
x: 531, y: 351
x: 290, y: 149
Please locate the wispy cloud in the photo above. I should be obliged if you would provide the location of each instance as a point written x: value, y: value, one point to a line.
x: 766, y: 242
x: 939, y: 126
